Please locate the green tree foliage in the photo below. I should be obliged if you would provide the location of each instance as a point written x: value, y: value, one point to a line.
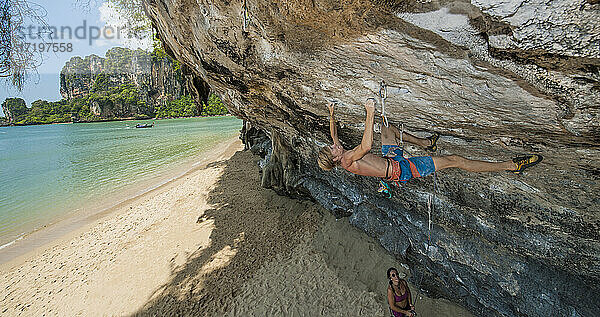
x: 106, y: 99
x: 101, y: 83
x: 121, y: 101
x: 186, y: 107
x: 181, y: 107
x: 158, y: 53
x: 133, y: 13
x: 48, y: 112
x: 80, y: 109
x: 118, y: 60
x: 78, y: 65
x: 215, y: 107
x: 15, y: 108
x: 41, y: 111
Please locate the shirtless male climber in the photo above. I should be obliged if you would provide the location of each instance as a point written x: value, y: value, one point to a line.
x: 393, y: 166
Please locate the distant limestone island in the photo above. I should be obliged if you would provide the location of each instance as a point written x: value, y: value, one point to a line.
x: 127, y: 84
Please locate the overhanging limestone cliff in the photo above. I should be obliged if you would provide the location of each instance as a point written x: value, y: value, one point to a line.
x: 494, y: 79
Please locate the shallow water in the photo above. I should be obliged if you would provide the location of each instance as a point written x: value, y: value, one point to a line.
x: 49, y: 171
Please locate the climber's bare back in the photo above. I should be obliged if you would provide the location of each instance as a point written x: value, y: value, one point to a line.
x: 368, y: 165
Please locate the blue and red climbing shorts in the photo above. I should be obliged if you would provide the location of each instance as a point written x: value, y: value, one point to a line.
x: 404, y: 169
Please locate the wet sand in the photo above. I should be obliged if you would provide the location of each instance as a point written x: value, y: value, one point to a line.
x: 210, y: 243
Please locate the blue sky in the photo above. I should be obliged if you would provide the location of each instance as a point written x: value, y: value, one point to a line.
x: 63, y: 14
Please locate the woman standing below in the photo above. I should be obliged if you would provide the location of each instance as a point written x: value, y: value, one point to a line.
x: 398, y: 295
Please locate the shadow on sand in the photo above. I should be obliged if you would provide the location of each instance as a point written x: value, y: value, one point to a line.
x: 251, y: 225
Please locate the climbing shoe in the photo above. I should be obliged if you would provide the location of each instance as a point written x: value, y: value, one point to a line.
x: 433, y: 141
x: 523, y: 162
x: 385, y: 188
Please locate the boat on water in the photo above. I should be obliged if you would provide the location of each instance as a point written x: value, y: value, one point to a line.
x: 144, y: 125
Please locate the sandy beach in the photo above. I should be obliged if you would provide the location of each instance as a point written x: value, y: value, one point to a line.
x: 209, y: 243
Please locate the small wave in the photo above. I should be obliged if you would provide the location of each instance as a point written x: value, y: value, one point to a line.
x: 12, y: 242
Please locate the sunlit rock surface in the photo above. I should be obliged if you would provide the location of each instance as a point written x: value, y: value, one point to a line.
x: 495, y: 78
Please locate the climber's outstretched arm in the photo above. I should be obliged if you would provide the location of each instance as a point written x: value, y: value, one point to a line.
x: 367, y: 140
x: 332, y: 126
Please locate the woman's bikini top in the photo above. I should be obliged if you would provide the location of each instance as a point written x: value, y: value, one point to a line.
x: 399, y: 298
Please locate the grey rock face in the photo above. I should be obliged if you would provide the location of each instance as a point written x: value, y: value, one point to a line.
x: 495, y: 79
x: 569, y: 28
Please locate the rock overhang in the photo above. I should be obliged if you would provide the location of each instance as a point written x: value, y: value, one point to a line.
x: 448, y: 67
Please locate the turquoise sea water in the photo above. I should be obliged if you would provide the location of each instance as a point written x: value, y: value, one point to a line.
x: 48, y: 171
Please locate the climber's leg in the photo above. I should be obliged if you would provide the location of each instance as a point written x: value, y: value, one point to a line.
x: 442, y: 162
x: 388, y: 137
x: 423, y: 142
x: 390, y: 146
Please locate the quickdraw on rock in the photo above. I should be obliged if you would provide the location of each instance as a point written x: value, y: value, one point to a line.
x: 429, y: 206
x: 430, y: 209
x: 383, y: 96
x: 385, y: 188
x: 245, y: 17
x: 401, y: 134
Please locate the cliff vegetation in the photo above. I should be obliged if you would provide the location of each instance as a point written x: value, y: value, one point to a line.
x: 126, y: 84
